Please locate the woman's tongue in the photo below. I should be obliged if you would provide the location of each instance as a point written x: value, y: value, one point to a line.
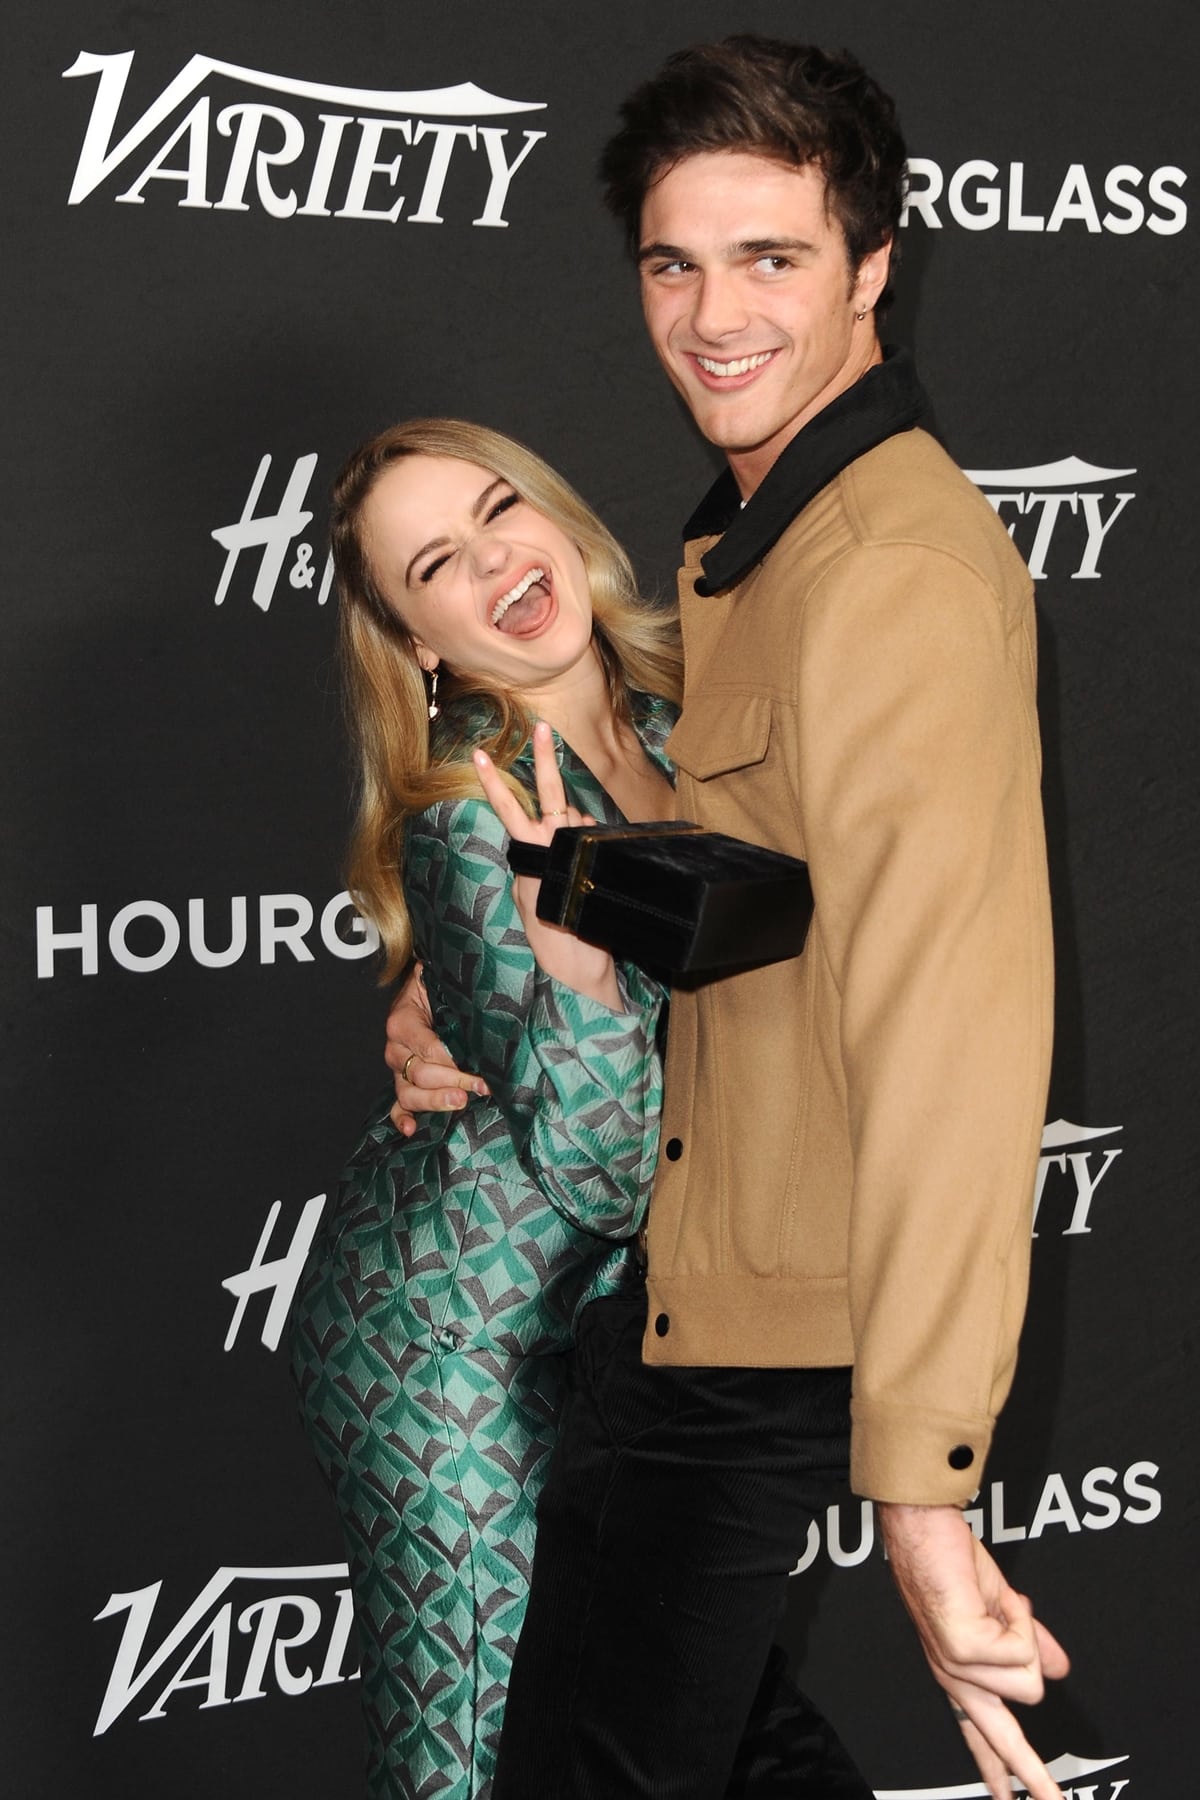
x: 529, y: 613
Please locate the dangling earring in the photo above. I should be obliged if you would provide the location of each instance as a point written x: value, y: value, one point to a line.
x: 434, y: 708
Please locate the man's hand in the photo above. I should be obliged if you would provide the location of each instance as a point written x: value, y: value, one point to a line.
x: 980, y: 1638
x: 423, y: 1069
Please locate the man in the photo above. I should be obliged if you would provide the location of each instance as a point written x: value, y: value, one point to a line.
x: 858, y: 634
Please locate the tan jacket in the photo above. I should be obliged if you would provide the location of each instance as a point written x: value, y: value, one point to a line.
x: 850, y: 1138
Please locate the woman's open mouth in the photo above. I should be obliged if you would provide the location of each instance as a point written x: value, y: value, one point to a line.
x: 527, y: 607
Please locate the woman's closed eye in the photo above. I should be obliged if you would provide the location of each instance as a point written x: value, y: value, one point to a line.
x: 431, y: 569
x: 502, y: 505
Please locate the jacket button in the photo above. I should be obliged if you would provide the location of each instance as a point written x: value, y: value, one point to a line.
x: 674, y: 1149
x: 961, y: 1457
x: 662, y: 1324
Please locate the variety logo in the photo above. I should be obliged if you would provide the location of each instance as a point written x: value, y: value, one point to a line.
x: 1053, y: 507
x: 332, y: 152
x: 1101, y: 1498
x: 273, y: 534
x: 1064, y: 1770
x: 1063, y: 1152
x: 293, y: 1636
x: 280, y: 1277
x: 979, y: 195
x: 146, y: 935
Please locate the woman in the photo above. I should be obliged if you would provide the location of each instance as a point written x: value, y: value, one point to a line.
x: 429, y: 1335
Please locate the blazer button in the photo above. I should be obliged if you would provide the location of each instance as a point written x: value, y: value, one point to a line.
x: 662, y: 1324
x: 961, y: 1457
x: 674, y: 1149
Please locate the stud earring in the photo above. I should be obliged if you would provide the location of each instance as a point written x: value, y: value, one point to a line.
x: 434, y: 708
x: 862, y: 315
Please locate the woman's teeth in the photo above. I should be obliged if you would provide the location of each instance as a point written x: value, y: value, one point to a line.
x: 516, y: 593
x: 742, y: 366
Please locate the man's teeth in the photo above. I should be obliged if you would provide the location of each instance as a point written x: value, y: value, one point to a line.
x: 516, y: 593
x: 742, y: 366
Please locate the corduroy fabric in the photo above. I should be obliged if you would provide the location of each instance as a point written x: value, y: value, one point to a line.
x: 676, y: 1503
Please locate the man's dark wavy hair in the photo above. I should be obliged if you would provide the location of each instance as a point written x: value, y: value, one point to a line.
x: 792, y: 103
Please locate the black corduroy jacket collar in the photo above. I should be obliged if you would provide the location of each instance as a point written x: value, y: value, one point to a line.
x: 887, y: 399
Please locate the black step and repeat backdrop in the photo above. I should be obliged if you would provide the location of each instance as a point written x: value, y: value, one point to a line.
x: 239, y: 238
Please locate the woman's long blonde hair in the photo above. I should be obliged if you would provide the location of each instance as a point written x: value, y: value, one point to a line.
x: 386, y: 697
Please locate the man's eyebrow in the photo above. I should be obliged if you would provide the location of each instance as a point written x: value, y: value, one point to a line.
x: 767, y: 246
x: 744, y: 247
x: 669, y: 252
x: 477, y: 507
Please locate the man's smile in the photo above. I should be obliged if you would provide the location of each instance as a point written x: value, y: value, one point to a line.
x: 741, y: 365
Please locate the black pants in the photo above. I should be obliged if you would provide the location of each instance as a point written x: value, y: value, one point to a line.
x: 677, y: 1501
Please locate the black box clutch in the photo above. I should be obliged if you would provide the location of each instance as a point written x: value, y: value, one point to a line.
x: 670, y: 895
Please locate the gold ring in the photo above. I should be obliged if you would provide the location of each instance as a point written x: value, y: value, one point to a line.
x: 555, y: 812
x: 408, y: 1062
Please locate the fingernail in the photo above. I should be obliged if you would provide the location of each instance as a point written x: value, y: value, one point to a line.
x: 483, y: 1090
x: 481, y: 759
x: 455, y: 1100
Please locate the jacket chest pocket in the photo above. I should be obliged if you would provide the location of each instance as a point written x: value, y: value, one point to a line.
x: 732, y: 775
x: 716, y: 735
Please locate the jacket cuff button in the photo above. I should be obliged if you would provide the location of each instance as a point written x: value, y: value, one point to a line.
x: 961, y: 1457
x: 662, y: 1324
x: 674, y: 1149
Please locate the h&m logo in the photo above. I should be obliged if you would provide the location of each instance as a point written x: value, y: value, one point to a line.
x: 351, y: 154
x: 1067, y: 499
x: 273, y: 534
x: 280, y: 1276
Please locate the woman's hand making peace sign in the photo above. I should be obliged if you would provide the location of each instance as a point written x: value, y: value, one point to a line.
x: 584, y: 967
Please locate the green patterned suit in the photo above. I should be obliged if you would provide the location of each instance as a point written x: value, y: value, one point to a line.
x: 431, y: 1323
